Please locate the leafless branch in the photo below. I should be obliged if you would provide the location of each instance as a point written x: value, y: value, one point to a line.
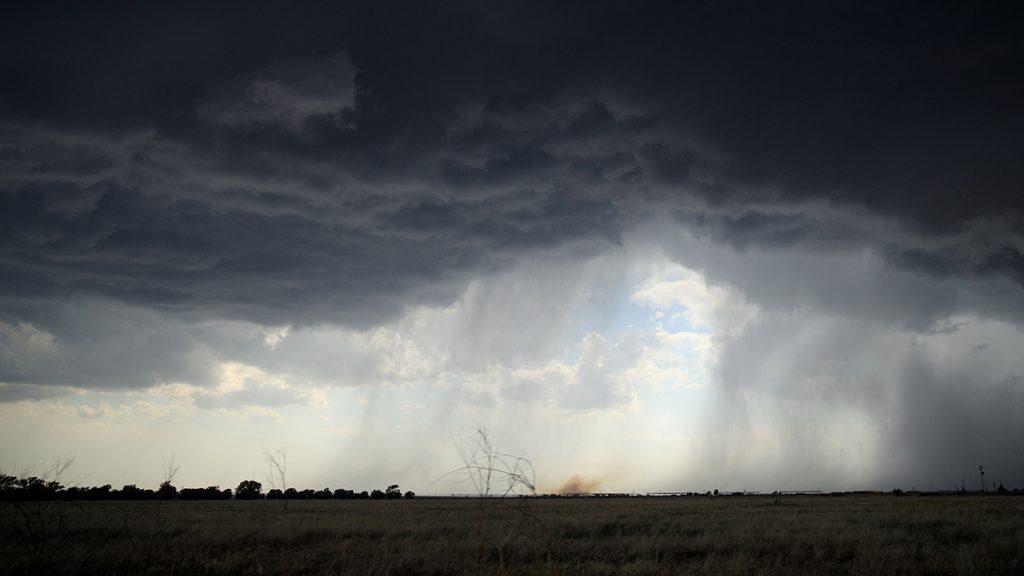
x: 171, y: 471
x: 277, y: 461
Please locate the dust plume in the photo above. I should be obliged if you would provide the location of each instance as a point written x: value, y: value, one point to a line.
x: 579, y: 485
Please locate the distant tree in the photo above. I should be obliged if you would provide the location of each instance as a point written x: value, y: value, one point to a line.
x: 104, y: 492
x: 343, y: 494
x: 377, y: 495
x: 306, y: 494
x: 79, y: 493
x: 392, y: 492
x: 410, y: 495
x: 324, y: 494
x: 363, y: 495
x: 208, y: 493
x: 133, y: 492
x: 291, y: 494
x: 166, y: 491
x: 248, y: 490
x: 32, y: 487
x: 275, y: 494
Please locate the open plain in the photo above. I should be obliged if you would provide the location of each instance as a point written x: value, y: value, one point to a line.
x: 850, y: 534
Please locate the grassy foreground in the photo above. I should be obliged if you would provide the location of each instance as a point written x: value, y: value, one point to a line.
x: 725, y: 535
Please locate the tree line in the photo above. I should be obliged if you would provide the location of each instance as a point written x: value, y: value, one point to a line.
x: 30, y: 488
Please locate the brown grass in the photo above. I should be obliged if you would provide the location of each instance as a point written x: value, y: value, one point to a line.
x: 725, y: 535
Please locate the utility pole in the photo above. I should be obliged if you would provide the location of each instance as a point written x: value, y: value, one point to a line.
x: 981, y: 469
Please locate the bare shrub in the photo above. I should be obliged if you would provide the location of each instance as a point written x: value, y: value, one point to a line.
x: 505, y: 484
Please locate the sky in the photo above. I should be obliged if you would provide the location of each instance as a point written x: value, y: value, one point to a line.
x: 648, y: 246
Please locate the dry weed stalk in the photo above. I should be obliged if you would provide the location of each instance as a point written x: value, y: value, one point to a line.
x: 486, y: 467
x: 503, y: 482
x: 277, y: 461
x: 41, y: 520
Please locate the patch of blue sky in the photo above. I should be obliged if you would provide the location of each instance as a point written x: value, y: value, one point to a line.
x: 676, y: 319
x: 612, y: 313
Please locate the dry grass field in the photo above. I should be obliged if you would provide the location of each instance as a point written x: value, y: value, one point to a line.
x: 725, y: 535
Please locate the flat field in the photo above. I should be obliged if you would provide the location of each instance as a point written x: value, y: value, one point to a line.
x: 880, y: 534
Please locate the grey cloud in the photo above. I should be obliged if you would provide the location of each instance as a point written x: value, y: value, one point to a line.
x: 845, y: 262
x: 398, y: 206
x: 1007, y: 260
x: 19, y: 392
x: 286, y: 94
x: 849, y: 281
x: 156, y: 235
x: 665, y: 165
x: 889, y: 107
x: 97, y: 345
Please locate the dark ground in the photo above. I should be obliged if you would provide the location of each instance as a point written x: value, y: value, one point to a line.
x: 881, y: 534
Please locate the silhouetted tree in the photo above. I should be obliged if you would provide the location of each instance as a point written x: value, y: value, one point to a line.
x: 208, y: 493
x: 392, y: 492
x: 166, y: 491
x: 133, y: 492
x: 34, y: 488
x: 101, y: 492
x: 377, y: 495
x: 343, y: 494
x: 410, y: 494
x: 249, y: 490
x: 275, y: 494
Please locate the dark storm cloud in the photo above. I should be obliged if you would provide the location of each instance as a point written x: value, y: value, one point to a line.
x: 97, y: 345
x: 285, y: 95
x: 18, y: 392
x: 305, y: 165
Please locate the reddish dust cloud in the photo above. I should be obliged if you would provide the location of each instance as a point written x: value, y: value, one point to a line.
x: 579, y: 485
